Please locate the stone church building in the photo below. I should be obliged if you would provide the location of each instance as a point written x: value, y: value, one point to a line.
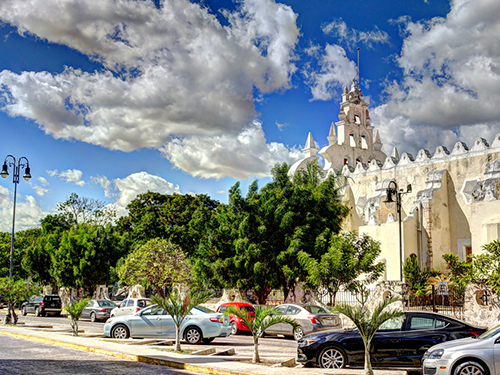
x: 454, y: 200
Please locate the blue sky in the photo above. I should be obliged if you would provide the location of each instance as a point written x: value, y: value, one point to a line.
x: 111, y: 98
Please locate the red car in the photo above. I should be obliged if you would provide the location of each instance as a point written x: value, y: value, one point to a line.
x: 236, y: 323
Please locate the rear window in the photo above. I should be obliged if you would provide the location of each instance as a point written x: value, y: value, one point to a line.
x: 204, y: 310
x: 316, y: 310
x: 247, y: 309
x: 52, y: 298
x: 105, y: 304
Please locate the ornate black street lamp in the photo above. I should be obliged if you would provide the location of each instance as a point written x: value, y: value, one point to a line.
x: 10, y: 161
x: 393, y: 191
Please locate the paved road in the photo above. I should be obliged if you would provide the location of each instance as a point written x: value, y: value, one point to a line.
x: 25, y: 357
x: 268, y: 346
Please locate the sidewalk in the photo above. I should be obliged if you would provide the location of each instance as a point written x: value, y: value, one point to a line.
x: 139, y: 350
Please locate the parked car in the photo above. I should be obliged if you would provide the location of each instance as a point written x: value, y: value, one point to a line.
x: 130, y: 306
x: 473, y: 355
x: 201, y: 325
x: 311, y: 318
x: 42, y: 305
x: 398, y: 342
x: 236, y: 323
x: 98, y: 309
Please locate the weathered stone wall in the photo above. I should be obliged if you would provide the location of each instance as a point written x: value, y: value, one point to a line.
x: 477, y: 311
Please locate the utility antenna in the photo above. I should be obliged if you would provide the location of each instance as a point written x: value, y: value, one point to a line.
x: 358, y: 68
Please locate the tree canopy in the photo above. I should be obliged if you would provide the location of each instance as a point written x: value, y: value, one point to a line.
x: 170, y: 217
x: 348, y: 257
x: 156, y: 265
x: 253, y: 242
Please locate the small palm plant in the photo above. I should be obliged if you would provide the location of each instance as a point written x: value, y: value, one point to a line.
x: 368, y: 325
x: 179, y: 308
x: 265, y: 317
x: 75, y: 310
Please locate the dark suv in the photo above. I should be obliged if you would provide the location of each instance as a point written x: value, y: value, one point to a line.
x: 42, y: 305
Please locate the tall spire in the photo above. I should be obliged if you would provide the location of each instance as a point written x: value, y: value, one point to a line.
x: 310, y: 147
x: 332, y: 136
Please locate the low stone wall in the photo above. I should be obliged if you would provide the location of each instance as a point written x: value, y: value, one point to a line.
x: 481, y: 306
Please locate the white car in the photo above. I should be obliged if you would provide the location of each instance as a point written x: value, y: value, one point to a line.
x: 469, y: 356
x: 130, y: 306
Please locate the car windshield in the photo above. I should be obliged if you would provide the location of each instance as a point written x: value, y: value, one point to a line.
x: 490, y: 333
x: 202, y: 309
x: 105, y: 304
x: 316, y: 310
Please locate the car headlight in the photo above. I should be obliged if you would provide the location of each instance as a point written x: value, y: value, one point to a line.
x: 435, y: 354
x: 306, y: 342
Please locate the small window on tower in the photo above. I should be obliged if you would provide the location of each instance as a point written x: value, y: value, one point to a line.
x: 346, y: 161
x: 357, y: 119
x: 364, y: 143
x: 352, y: 140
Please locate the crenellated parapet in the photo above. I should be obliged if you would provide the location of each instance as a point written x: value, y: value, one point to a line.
x: 425, y: 158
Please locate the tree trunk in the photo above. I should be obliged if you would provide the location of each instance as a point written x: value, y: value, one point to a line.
x: 13, y: 319
x: 74, y: 327
x: 178, y: 338
x: 256, y: 357
x: 368, y: 362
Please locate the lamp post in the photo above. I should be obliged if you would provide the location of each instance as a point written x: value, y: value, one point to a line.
x: 393, y: 191
x: 21, y: 163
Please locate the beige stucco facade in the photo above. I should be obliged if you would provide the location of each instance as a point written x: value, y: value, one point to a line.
x: 454, y: 203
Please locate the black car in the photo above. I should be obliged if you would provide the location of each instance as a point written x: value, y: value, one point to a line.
x: 42, y: 305
x: 398, y: 343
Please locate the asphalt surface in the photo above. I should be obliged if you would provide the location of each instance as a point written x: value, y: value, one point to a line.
x: 25, y: 357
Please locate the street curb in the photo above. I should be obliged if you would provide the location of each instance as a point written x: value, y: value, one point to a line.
x: 137, y: 358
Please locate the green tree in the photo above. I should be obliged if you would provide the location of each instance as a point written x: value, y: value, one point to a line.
x: 265, y: 317
x: 348, y: 257
x: 79, y: 210
x: 415, y: 277
x: 179, y: 308
x: 157, y: 265
x: 367, y: 325
x: 37, y: 260
x: 22, y: 241
x: 82, y: 259
x: 252, y: 243
x: 16, y: 291
x: 75, y: 310
x: 169, y: 217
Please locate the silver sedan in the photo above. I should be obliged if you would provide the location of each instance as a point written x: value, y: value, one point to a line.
x: 311, y: 318
x: 200, y: 325
x: 98, y: 309
x: 469, y: 356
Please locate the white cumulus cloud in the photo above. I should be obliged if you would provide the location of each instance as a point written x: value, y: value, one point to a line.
x: 138, y: 183
x: 28, y: 211
x: 449, y: 91
x: 173, y: 72
x: 248, y: 155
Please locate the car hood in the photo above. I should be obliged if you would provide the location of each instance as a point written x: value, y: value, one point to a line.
x: 468, y: 342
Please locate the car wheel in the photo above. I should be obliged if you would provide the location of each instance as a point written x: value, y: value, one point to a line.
x: 23, y: 311
x: 92, y: 317
x: 332, y: 357
x: 469, y: 368
x: 234, y: 328
x: 193, y: 335
x: 120, y: 332
x: 37, y: 311
x: 298, y: 333
x: 208, y: 340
